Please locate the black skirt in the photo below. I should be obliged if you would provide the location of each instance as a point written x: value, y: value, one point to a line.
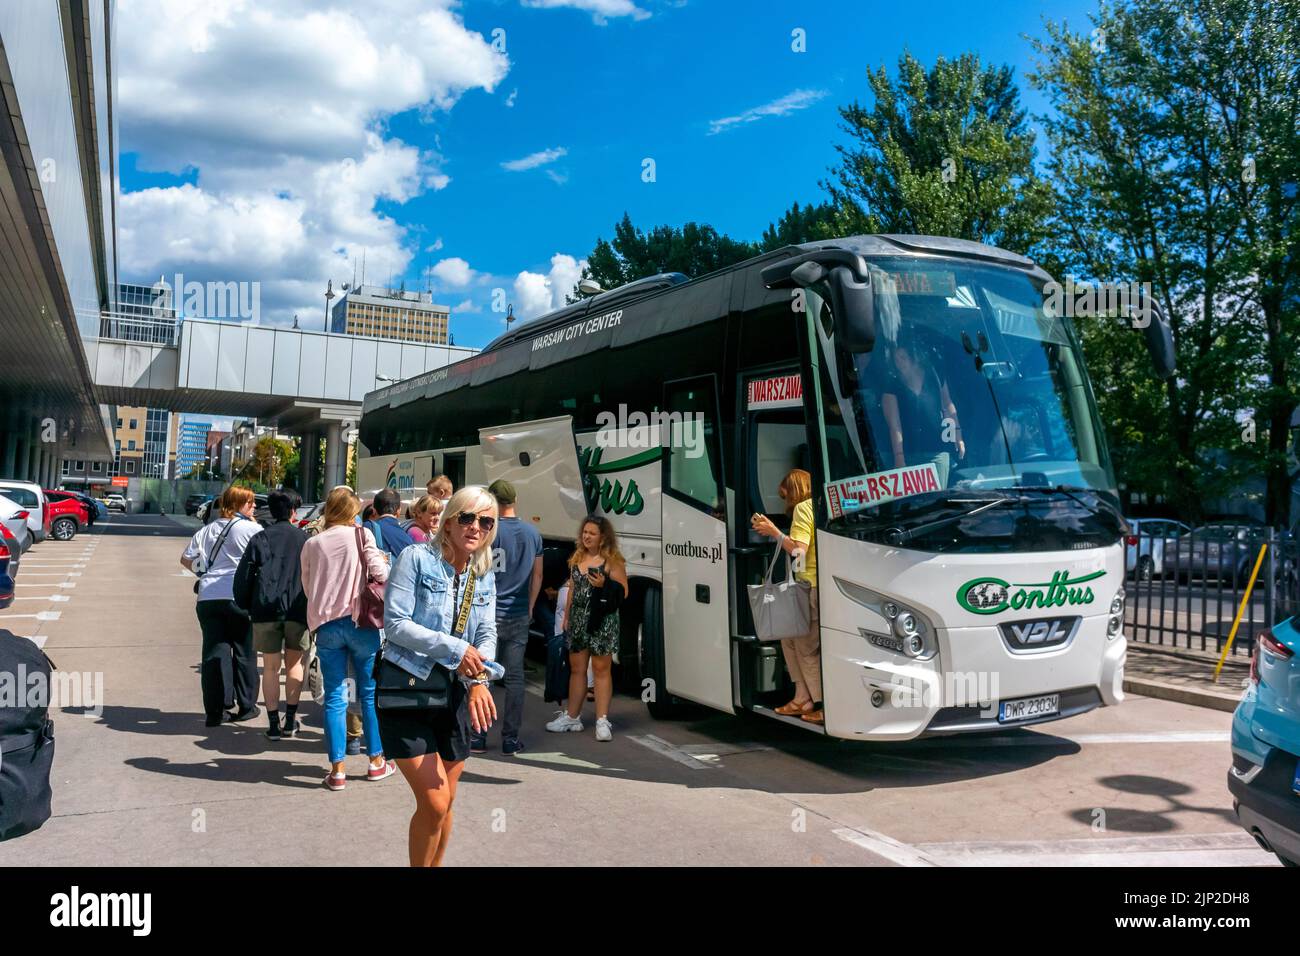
x: 415, y: 733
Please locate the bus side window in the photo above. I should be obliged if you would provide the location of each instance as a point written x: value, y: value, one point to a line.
x: 778, y: 442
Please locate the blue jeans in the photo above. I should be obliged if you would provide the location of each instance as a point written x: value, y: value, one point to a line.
x: 336, y: 643
x: 512, y: 641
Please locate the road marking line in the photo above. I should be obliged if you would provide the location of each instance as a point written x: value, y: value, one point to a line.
x: 1057, y: 740
x: 39, y: 615
x: 566, y: 761
x: 38, y: 639
x: 51, y: 574
x: 660, y: 746
x: 1104, y: 845
x: 886, y: 846
x: 38, y: 597
x: 52, y: 584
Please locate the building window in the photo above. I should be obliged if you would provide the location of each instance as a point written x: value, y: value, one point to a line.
x: 119, y: 423
x: 98, y: 467
x: 66, y: 467
x: 130, y: 467
x: 79, y: 466
x: 130, y: 445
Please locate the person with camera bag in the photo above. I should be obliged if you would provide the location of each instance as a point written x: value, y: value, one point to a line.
x: 439, y: 655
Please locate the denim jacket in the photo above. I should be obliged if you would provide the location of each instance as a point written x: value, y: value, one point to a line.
x: 420, y: 613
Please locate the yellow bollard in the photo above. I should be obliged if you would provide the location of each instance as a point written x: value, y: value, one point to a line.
x: 1240, y: 610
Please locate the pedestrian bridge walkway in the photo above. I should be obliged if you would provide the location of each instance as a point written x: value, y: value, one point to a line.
x: 236, y: 368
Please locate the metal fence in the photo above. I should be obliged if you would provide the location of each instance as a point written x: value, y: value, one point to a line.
x: 1186, y: 591
x: 153, y: 330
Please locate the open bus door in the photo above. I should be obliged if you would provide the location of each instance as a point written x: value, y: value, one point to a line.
x: 696, y: 625
x: 540, y: 458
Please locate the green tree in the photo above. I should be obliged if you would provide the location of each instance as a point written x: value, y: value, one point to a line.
x: 266, y: 465
x: 800, y: 224
x: 947, y: 151
x: 694, y: 249
x: 1157, y: 113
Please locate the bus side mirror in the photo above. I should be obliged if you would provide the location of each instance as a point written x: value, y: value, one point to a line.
x: 853, y: 302
x: 1148, y: 317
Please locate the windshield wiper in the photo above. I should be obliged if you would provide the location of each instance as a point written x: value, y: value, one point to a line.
x: 1070, y: 492
x: 902, y: 537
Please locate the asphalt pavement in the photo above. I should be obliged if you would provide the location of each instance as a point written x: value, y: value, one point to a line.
x: 138, y: 779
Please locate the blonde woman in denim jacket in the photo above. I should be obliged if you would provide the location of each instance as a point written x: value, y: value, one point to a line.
x: 425, y: 589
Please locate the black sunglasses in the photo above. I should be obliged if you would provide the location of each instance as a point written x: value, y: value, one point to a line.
x: 485, y: 522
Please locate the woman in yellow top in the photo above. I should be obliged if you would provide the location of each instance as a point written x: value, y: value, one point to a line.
x: 802, y: 654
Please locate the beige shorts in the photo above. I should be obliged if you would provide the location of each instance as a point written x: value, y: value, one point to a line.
x: 274, y: 637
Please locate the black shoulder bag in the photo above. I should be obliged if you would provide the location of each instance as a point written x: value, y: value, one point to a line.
x: 398, y: 689
x: 216, y: 550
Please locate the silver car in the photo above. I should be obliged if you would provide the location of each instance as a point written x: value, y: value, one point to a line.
x: 1145, y: 545
x: 14, y: 518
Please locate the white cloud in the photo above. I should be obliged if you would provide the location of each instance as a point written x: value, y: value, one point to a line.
x: 600, y: 10
x: 434, y: 246
x: 281, y: 108
x: 796, y: 100
x: 533, y: 160
x: 468, y: 305
x: 454, y: 272
x: 510, y: 100
x: 539, y: 292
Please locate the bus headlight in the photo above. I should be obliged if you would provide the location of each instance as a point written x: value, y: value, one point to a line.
x: 906, y: 631
x: 1117, y: 602
x: 1113, y: 625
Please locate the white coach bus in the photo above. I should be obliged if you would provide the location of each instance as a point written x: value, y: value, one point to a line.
x: 968, y: 534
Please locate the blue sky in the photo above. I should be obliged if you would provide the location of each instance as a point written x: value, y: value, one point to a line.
x: 278, y: 147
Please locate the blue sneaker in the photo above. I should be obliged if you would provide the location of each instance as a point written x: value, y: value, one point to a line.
x: 478, y: 744
x: 510, y: 746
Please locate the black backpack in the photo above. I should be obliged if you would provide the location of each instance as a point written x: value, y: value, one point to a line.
x: 26, y: 740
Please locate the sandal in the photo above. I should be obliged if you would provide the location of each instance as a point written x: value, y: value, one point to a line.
x: 793, y: 709
x: 814, y: 716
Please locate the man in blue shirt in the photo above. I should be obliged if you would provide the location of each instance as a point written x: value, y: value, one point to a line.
x: 391, y: 536
x: 517, y: 561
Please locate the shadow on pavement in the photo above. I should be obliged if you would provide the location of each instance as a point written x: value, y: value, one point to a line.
x: 236, y: 770
x: 142, y: 526
x: 1147, y: 821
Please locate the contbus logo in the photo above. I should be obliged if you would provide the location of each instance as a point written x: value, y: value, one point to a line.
x: 390, y: 479
x: 993, y: 595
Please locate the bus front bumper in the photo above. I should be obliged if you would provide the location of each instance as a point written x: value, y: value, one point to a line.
x: 873, y: 696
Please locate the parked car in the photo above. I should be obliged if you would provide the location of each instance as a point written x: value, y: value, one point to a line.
x: 13, y: 517
x: 95, y: 509
x: 29, y: 495
x: 115, y: 503
x: 1227, y: 552
x: 10, y: 555
x: 1144, y: 548
x: 192, y: 502
x: 1265, y: 776
x: 67, y: 515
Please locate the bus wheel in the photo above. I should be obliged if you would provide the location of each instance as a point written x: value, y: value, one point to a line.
x: 659, y: 702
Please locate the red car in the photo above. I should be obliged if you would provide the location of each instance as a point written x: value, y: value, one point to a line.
x: 66, y: 515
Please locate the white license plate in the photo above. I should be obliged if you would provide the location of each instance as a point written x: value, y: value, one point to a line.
x: 1027, y: 707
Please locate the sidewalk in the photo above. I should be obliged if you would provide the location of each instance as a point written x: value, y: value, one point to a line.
x: 1185, y: 676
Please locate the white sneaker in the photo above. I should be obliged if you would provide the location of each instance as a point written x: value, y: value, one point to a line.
x: 603, y: 732
x: 563, y: 722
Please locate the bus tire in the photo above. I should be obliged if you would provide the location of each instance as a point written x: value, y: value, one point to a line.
x: 661, y: 704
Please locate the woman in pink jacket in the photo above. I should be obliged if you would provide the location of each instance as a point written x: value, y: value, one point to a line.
x: 331, y: 578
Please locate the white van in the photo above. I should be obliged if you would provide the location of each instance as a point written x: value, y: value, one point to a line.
x: 30, y: 496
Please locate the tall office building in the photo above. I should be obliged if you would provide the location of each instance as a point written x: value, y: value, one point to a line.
x: 382, y: 313
x: 144, y: 314
x: 192, y: 446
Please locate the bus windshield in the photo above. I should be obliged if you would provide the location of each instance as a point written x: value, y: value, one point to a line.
x: 973, y: 391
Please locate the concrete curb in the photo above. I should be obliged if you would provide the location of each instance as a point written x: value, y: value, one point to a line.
x: 1197, y: 697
